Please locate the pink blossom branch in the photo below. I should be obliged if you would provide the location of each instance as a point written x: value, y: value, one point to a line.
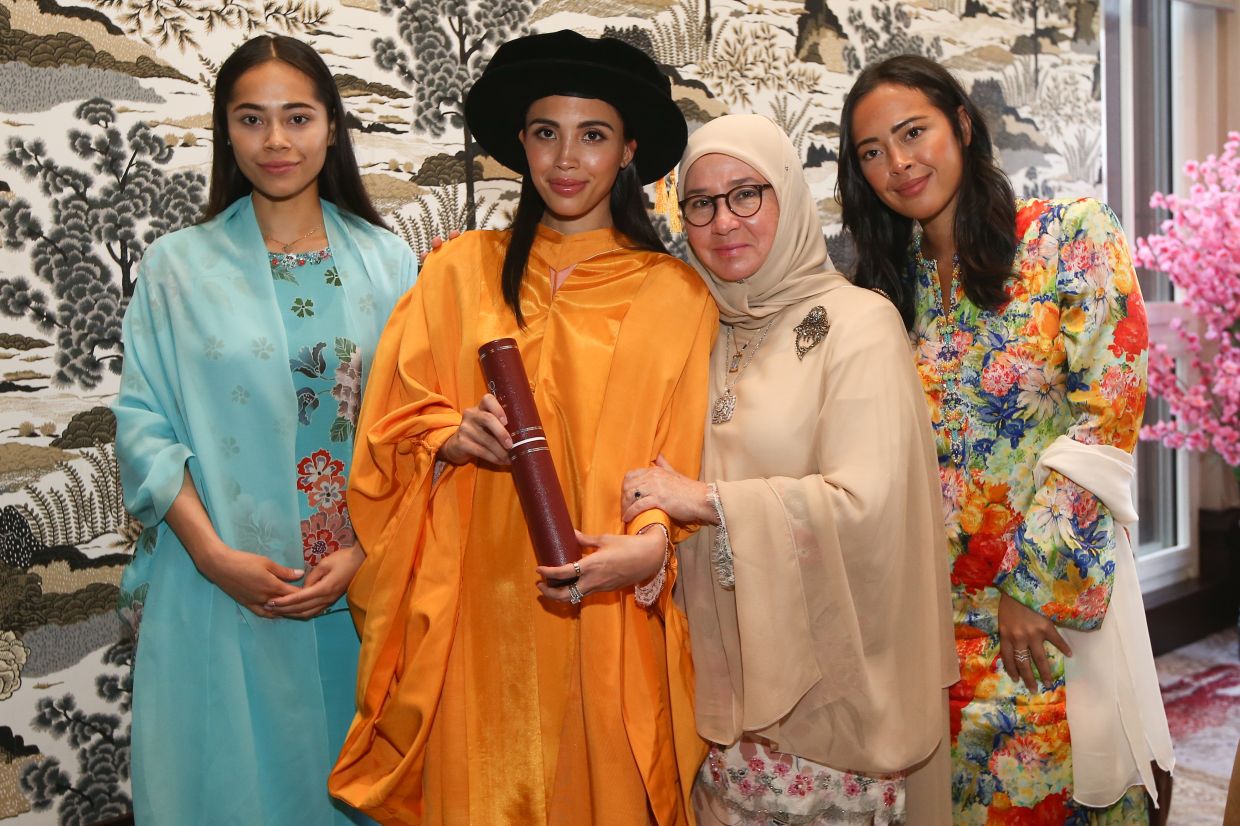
x: 1198, y: 247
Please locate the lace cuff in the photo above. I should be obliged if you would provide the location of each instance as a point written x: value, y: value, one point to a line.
x: 646, y: 595
x: 721, y: 550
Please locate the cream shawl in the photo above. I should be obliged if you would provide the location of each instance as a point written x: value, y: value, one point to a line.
x: 1115, y: 710
x: 836, y: 642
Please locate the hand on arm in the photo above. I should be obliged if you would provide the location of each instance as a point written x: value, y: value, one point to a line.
x: 250, y: 579
x: 436, y: 243
x: 685, y: 500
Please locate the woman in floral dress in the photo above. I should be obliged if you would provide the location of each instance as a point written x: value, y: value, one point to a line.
x: 1029, y: 326
x: 246, y: 343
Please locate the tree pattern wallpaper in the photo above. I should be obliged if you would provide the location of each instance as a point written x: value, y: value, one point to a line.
x: 106, y: 139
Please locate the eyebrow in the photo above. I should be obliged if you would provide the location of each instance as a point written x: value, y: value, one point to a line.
x: 583, y: 125
x: 894, y: 129
x: 259, y: 108
x: 732, y: 184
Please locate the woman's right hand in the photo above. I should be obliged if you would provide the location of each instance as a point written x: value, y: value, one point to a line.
x: 685, y: 500
x: 1023, y: 635
x: 481, y: 437
x: 250, y: 579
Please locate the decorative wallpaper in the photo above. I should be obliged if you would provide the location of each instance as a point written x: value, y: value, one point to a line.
x: 106, y: 136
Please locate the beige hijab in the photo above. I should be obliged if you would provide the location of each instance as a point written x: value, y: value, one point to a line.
x: 835, y: 642
x: 798, y: 266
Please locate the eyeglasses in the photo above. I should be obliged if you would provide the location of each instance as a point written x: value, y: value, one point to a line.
x: 743, y: 201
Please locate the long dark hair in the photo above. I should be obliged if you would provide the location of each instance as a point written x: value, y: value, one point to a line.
x: 985, y: 220
x: 339, y: 181
x: 628, y: 215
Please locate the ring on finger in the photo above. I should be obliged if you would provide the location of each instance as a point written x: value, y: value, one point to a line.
x: 574, y: 595
x: 577, y: 568
x: 1022, y: 656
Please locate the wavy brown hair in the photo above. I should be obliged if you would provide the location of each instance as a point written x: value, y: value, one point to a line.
x: 985, y: 220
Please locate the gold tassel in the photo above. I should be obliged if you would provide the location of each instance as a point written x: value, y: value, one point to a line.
x: 665, y: 200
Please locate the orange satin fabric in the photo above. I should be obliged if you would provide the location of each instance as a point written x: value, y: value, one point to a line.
x: 479, y: 702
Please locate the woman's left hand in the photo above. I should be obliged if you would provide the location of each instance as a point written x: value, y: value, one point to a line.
x: 437, y: 242
x: 661, y: 486
x: 324, y: 585
x: 619, y: 562
x: 1024, y: 630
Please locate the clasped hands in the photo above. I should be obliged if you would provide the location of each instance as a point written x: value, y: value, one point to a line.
x: 267, y: 588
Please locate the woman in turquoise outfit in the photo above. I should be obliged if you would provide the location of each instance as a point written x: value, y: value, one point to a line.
x: 246, y: 346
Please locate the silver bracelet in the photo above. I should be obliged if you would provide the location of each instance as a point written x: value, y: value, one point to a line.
x: 721, y: 549
x: 647, y: 594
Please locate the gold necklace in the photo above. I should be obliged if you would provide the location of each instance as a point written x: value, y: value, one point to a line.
x: 725, y: 405
x: 287, y: 247
x: 737, y: 352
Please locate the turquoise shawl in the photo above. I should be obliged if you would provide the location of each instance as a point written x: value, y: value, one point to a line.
x: 229, y: 717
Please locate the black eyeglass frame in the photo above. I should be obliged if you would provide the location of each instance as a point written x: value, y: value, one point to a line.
x: 727, y: 200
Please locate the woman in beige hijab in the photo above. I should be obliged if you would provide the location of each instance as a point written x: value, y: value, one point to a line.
x: 817, y: 593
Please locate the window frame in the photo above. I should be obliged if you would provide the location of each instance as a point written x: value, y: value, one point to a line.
x: 1140, y: 149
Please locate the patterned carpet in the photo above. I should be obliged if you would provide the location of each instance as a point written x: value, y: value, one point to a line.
x: 1201, y: 690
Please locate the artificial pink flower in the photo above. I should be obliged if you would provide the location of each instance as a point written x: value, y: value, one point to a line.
x: 1197, y: 249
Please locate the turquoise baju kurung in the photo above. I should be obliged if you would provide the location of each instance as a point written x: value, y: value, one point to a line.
x: 246, y: 369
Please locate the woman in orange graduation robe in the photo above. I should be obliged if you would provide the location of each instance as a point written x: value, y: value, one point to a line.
x: 481, y: 701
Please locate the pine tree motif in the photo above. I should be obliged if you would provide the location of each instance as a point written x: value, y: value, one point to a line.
x: 122, y: 203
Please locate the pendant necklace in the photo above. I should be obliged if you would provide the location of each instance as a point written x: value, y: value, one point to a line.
x: 290, y: 244
x: 725, y: 405
x: 734, y: 365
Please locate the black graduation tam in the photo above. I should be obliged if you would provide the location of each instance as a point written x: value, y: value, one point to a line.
x: 566, y: 63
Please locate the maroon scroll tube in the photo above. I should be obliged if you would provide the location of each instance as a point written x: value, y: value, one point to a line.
x: 538, y: 486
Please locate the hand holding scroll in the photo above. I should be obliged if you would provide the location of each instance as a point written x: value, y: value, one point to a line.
x: 482, y: 436
x: 533, y: 471
x: 619, y: 562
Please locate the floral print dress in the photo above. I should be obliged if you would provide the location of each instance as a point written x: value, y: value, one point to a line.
x: 327, y: 378
x: 749, y: 784
x: 326, y: 365
x: 1065, y: 355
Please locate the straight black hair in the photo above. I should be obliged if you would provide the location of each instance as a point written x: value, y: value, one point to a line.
x: 339, y: 180
x: 628, y: 215
x: 985, y: 221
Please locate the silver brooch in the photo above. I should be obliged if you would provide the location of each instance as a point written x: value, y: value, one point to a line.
x: 811, y: 331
